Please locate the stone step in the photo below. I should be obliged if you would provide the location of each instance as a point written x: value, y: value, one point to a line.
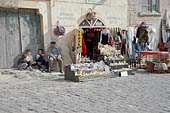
x: 70, y: 75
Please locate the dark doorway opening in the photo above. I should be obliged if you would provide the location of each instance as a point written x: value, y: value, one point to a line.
x: 92, y: 38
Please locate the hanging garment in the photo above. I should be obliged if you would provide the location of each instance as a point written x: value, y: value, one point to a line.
x: 83, y: 48
x: 164, y: 33
x: 123, y: 49
x: 119, y: 39
x: 168, y: 18
x: 131, y: 38
x: 105, y: 39
x: 111, y: 41
x: 78, y: 58
x: 151, y: 37
x: 168, y: 36
x: 104, y: 32
x: 125, y: 36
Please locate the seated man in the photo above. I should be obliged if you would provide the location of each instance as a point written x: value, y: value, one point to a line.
x: 55, y: 56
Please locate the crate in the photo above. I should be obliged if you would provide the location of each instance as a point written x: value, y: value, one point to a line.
x: 168, y: 71
x: 150, y: 67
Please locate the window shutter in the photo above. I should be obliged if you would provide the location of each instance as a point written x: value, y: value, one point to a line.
x: 155, y: 5
x: 145, y: 5
x: 151, y: 5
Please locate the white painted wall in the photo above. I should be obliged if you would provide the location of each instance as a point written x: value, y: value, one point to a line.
x: 69, y: 13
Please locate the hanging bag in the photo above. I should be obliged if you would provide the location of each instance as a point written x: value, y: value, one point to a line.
x: 59, y: 30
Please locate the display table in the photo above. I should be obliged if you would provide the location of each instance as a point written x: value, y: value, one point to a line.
x: 152, y: 52
x: 161, y: 58
x: 90, y: 71
x: 111, y: 64
x: 156, y: 53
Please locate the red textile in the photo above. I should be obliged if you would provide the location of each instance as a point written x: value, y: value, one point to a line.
x: 111, y: 41
x: 83, y: 47
x: 152, y: 52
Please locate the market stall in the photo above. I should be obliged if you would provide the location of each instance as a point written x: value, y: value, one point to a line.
x: 112, y: 64
x: 97, y: 51
x: 96, y: 58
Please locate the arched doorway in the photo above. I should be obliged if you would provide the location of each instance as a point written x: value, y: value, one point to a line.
x: 92, y: 27
x: 91, y: 21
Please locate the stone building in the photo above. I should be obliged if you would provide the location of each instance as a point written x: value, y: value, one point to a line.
x: 29, y: 24
x: 149, y: 11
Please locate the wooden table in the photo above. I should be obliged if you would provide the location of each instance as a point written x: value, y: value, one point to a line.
x: 156, y: 53
x: 152, y: 52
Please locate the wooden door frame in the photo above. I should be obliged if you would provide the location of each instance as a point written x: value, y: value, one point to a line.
x: 11, y: 36
x: 19, y: 53
x: 41, y: 23
x: 41, y: 30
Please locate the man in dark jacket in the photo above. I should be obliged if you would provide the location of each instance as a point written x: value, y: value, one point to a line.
x: 142, y: 35
x: 55, y: 55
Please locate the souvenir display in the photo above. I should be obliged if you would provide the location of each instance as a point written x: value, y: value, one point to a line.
x: 111, y: 66
x: 100, y: 58
x: 108, y: 50
x: 88, y: 69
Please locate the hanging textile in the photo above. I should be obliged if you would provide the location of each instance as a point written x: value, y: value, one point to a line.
x: 168, y: 35
x: 105, y: 39
x: 104, y: 32
x: 164, y: 33
x: 125, y: 37
x: 131, y: 38
x: 168, y: 18
x: 151, y: 35
x: 83, y: 48
x: 111, y: 41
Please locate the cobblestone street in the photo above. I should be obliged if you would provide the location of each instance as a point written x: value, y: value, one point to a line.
x: 36, y: 93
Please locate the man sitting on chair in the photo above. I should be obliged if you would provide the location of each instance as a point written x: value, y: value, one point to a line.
x: 55, y: 56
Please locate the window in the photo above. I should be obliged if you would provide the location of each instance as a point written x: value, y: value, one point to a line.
x: 95, y: 1
x: 150, y: 5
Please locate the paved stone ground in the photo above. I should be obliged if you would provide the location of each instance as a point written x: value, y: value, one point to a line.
x: 34, y: 92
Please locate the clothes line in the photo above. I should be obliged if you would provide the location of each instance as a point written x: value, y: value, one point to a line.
x: 137, y: 25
